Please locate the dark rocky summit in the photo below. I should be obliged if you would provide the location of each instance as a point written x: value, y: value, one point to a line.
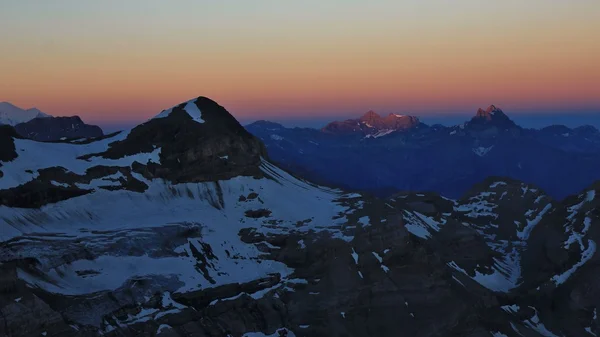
x: 57, y: 128
x: 152, y: 235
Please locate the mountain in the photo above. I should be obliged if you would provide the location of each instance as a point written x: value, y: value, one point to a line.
x: 13, y: 115
x: 368, y: 154
x: 57, y: 128
x: 182, y: 226
x: 373, y: 125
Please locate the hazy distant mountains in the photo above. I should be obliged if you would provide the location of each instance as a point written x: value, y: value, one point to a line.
x: 13, y: 115
x: 37, y: 125
x: 387, y: 154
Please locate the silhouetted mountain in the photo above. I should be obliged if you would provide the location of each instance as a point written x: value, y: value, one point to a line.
x: 371, y: 154
x: 182, y: 227
x: 57, y: 128
x: 372, y: 125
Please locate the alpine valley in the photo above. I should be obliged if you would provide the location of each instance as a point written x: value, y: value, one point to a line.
x: 185, y: 226
x: 383, y: 155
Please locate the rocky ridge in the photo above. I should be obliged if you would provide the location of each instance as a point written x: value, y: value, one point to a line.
x: 57, y: 128
x: 183, y: 227
x: 447, y: 160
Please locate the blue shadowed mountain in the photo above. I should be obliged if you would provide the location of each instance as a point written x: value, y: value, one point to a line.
x: 384, y: 155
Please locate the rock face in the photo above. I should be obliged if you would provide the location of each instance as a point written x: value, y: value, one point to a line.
x: 373, y: 125
x: 372, y: 154
x: 57, y: 128
x: 150, y: 235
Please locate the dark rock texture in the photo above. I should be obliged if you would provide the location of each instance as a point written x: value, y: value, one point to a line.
x: 182, y: 227
x: 218, y: 148
x: 57, y: 128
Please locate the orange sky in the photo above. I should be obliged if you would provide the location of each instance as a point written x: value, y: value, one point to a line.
x: 122, y: 61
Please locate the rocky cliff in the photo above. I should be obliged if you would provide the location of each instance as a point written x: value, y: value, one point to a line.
x: 182, y: 227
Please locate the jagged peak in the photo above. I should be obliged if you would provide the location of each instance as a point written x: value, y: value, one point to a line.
x: 491, y: 109
x: 370, y: 115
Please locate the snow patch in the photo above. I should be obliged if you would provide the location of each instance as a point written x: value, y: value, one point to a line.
x: 482, y: 151
x: 586, y: 255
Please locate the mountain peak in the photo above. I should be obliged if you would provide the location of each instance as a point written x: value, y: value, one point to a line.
x: 492, y: 109
x: 12, y: 115
x: 370, y: 116
x: 199, y: 141
x: 492, y: 116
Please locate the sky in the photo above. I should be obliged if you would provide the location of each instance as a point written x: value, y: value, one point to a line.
x: 118, y: 62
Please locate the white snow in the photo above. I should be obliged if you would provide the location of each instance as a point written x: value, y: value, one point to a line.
x: 58, y: 184
x: 513, y: 308
x: 535, y: 324
x: 275, y: 334
x: 13, y: 115
x: 458, y: 281
x: 379, y: 258
x: 482, y: 151
x: 497, y: 183
x: 165, y: 203
x: 524, y: 233
x: 33, y: 156
x: 168, y: 302
x: 162, y: 328
x: 383, y: 133
x: 354, y: 256
x: 478, y: 207
x: 190, y: 108
x: 364, y: 221
x: 276, y: 137
x: 343, y: 314
x: 18, y: 299
x: 495, y: 281
x: 420, y: 224
x: 498, y: 334
x: 586, y: 255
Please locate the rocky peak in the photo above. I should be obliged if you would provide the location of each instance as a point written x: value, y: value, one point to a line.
x: 370, y: 117
x: 199, y: 140
x: 492, y: 116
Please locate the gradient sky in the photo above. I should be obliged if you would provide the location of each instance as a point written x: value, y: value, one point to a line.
x: 119, y: 61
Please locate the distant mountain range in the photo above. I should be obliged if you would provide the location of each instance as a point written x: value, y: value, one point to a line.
x: 12, y: 115
x: 182, y: 226
x: 40, y: 126
x: 384, y: 155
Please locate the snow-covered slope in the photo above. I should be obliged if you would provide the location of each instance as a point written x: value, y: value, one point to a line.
x: 13, y: 115
x: 182, y: 226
